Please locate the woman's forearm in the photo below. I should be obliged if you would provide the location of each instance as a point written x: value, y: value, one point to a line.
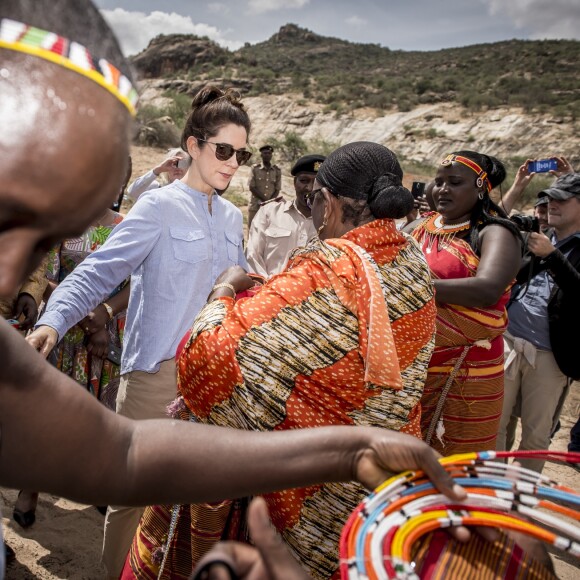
x: 470, y: 292
x: 120, y: 301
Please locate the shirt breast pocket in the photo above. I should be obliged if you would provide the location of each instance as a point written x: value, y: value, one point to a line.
x: 188, y: 245
x: 233, y: 247
x: 277, y: 232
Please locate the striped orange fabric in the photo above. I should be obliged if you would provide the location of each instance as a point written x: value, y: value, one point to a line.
x: 336, y: 339
x: 472, y: 408
x: 440, y: 557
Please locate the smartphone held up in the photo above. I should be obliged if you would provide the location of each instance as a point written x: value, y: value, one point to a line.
x: 542, y: 165
x: 418, y: 189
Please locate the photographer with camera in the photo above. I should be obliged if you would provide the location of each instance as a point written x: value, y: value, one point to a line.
x: 541, y: 341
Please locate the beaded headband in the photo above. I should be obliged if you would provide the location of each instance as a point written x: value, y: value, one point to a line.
x: 71, y: 55
x: 481, y: 174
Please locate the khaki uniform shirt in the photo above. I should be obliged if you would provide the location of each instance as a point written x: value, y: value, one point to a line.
x: 266, y: 181
x: 276, y: 230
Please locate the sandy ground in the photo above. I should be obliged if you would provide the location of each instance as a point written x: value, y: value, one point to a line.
x: 65, y: 541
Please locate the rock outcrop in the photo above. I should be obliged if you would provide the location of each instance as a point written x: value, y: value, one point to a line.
x: 423, y: 134
x: 176, y: 53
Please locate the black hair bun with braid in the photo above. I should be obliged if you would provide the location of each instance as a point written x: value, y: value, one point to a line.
x: 388, y: 198
x: 367, y: 171
x: 498, y: 173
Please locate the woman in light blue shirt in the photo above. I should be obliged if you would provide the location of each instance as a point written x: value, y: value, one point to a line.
x: 173, y: 243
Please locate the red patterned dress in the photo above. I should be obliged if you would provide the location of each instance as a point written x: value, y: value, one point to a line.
x: 463, y: 397
x: 342, y: 337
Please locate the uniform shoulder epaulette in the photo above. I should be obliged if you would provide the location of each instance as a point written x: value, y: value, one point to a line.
x: 276, y: 199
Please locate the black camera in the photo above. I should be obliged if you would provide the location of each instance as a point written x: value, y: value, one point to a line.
x: 526, y: 223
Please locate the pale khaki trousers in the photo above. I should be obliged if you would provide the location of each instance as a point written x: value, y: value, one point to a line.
x: 540, y: 388
x: 141, y: 396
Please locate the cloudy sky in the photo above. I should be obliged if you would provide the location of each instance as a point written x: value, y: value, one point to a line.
x: 397, y: 24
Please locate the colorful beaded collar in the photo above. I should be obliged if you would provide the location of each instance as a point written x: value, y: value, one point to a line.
x: 434, y: 225
x: 482, y: 178
x: 68, y: 54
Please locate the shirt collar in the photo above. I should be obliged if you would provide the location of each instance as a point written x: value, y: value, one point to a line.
x: 562, y: 242
x: 291, y: 205
x: 190, y: 191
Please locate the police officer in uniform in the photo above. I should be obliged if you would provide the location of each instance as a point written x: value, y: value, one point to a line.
x: 265, y: 181
x: 282, y: 225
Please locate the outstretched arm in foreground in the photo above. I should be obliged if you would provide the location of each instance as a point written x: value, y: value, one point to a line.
x: 55, y: 437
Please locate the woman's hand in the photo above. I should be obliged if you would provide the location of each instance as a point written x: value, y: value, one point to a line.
x: 523, y: 177
x: 237, y: 277
x: 540, y: 245
x: 270, y: 559
x: 43, y: 339
x: 390, y: 452
x: 96, y: 320
x: 166, y: 165
x: 564, y: 167
x: 98, y: 343
x: 26, y: 305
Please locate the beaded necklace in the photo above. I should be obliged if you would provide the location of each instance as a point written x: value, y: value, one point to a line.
x: 439, y: 234
x: 377, y: 540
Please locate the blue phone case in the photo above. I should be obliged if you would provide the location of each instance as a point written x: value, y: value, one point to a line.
x: 542, y: 166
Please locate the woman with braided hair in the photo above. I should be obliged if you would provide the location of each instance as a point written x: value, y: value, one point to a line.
x: 342, y: 336
x: 474, y: 252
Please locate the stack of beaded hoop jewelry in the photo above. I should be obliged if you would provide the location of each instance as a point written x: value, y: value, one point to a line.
x: 376, y: 541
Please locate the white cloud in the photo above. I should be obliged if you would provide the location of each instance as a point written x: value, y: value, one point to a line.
x: 553, y: 19
x: 135, y: 29
x: 273, y: 5
x: 355, y: 21
x: 218, y: 8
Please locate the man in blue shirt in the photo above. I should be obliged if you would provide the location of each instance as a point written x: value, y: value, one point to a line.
x: 543, y: 329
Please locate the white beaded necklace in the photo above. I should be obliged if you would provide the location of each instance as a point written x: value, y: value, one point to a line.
x: 438, y: 223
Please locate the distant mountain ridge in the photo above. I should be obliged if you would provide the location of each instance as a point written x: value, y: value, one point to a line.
x: 539, y: 76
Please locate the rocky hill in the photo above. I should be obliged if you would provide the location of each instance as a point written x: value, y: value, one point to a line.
x: 514, y: 99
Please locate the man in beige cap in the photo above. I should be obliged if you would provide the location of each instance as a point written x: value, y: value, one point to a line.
x: 265, y: 181
x: 282, y: 225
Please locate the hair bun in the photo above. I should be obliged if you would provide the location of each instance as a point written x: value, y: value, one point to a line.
x: 497, y: 173
x: 388, y: 198
x: 206, y: 95
x: 211, y: 93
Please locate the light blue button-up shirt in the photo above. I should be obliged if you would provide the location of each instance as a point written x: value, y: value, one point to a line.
x: 173, y: 249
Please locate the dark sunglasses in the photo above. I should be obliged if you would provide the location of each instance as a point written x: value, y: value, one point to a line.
x: 309, y: 197
x: 224, y: 151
